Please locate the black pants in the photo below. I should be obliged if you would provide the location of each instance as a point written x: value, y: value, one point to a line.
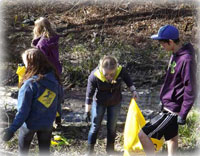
x: 26, y: 136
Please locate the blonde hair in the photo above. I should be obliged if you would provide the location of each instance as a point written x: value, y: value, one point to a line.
x: 108, y: 62
x: 43, y: 27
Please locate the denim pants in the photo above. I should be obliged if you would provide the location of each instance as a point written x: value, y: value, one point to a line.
x: 98, y: 112
x: 26, y: 136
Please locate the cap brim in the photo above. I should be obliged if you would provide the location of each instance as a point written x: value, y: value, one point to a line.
x: 155, y: 37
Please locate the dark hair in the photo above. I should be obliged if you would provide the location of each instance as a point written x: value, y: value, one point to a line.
x: 37, y: 64
x: 176, y: 41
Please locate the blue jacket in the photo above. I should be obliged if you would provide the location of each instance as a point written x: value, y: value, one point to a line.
x: 38, y: 102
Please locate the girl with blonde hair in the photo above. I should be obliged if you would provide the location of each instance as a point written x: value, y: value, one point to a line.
x: 46, y: 39
x: 104, y: 94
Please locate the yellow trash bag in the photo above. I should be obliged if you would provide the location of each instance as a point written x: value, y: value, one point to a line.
x: 20, y: 72
x: 134, y: 122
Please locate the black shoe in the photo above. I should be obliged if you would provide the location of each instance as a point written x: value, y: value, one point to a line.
x: 110, y: 149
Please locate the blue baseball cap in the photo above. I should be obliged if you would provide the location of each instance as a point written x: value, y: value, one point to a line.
x: 166, y: 32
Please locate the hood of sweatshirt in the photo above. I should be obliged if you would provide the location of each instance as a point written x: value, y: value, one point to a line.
x: 186, y: 49
x: 48, y: 81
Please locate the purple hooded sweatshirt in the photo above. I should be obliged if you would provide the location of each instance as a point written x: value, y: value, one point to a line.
x: 49, y: 47
x: 177, y: 93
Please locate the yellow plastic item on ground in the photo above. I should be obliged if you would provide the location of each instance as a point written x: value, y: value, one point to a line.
x: 57, y: 137
x: 53, y: 143
x: 134, y: 122
x: 20, y: 72
x: 59, y: 140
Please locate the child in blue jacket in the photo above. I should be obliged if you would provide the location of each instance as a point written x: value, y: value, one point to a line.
x: 39, y: 99
x: 46, y: 40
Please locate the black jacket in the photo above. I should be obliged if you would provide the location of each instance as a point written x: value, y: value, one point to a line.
x: 103, y: 92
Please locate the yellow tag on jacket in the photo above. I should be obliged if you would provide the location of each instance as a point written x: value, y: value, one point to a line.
x: 47, y: 98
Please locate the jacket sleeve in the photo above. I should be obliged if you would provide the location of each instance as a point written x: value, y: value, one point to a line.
x: 126, y: 78
x: 60, y: 100
x: 25, y: 99
x: 40, y: 43
x: 91, y: 87
x: 43, y: 49
x: 35, y: 42
x: 188, y: 77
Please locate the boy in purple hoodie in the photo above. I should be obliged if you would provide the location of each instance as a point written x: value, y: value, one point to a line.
x: 177, y: 93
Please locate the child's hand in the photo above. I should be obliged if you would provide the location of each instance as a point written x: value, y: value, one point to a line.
x: 135, y: 95
x: 7, y: 134
x: 86, y: 117
x: 181, y: 121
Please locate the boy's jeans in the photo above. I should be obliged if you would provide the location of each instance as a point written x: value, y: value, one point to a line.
x: 97, y: 117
